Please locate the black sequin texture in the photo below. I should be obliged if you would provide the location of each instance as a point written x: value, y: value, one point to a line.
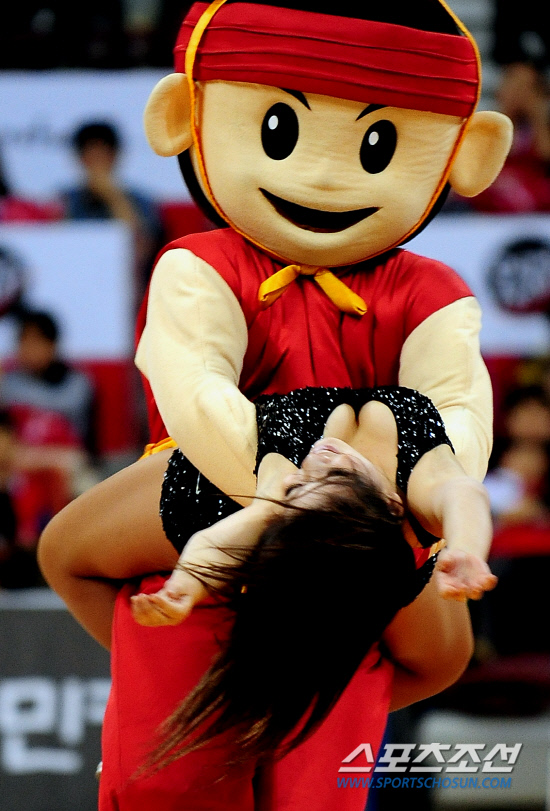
x: 289, y: 424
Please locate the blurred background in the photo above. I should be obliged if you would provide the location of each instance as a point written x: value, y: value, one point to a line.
x: 84, y: 207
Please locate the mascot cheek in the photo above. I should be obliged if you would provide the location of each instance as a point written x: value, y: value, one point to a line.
x: 407, y: 189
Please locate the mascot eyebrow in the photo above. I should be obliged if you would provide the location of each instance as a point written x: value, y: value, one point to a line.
x: 297, y: 95
x: 371, y: 108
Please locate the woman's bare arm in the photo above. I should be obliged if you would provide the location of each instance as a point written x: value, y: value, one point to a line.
x: 109, y: 534
x: 222, y: 544
x: 456, y: 507
x: 430, y: 643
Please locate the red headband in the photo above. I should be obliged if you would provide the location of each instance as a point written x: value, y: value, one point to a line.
x: 370, y: 62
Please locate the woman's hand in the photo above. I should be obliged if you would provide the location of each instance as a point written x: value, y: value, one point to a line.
x: 172, y: 604
x: 463, y: 575
x: 220, y: 547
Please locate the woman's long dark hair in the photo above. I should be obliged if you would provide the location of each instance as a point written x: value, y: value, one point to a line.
x: 310, y: 600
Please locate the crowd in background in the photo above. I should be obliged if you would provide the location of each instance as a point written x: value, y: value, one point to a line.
x: 47, y: 416
x: 48, y: 413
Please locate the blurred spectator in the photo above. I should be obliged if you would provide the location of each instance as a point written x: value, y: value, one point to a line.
x: 101, y: 197
x: 521, y: 50
x: 521, y: 33
x: 519, y: 488
x: 13, y: 279
x: 103, y: 34
x: 43, y: 384
x: 51, y: 406
x: 17, y: 209
x: 170, y: 14
x: 526, y: 414
x: 18, y: 566
x: 518, y: 482
x: 524, y: 183
x: 519, y: 476
x: 140, y: 25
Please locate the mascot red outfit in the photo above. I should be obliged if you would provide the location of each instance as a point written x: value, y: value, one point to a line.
x: 324, y: 140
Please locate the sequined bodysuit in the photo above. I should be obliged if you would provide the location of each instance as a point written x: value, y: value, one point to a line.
x: 289, y: 424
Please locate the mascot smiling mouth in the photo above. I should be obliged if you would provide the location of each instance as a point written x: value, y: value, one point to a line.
x: 312, y: 219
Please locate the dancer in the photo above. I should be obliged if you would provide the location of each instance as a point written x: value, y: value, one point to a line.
x: 464, y: 573
x: 340, y: 499
x: 394, y: 425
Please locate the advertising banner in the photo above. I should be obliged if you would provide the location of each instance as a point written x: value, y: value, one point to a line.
x: 506, y: 262
x: 54, y: 683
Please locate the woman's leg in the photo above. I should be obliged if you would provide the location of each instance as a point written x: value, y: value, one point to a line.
x: 111, y: 533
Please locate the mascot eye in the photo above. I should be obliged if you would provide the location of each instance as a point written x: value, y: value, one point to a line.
x: 279, y: 131
x: 378, y: 147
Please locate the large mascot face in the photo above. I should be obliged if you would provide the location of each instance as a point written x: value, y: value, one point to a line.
x: 320, y: 179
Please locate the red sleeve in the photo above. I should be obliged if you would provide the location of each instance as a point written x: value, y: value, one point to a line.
x: 429, y: 286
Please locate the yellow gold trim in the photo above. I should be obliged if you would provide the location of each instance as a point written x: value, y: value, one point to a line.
x: 336, y: 290
x: 437, y: 546
x: 156, y: 447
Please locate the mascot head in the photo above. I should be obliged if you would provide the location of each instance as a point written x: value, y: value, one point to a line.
x: 326, y: 134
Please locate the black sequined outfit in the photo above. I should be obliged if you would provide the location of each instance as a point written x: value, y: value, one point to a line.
x: 289, y: 424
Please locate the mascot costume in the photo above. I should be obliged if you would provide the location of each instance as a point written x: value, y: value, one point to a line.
x: 322, y: 137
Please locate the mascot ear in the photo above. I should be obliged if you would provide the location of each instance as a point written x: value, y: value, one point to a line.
x: 482, y: 153
x: 167, y: 116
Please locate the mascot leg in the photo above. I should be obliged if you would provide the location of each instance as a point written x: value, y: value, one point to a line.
x: 308, y: 779
x: 152, y: 669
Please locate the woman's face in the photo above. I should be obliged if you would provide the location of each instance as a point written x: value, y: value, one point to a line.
x: 330, y: 456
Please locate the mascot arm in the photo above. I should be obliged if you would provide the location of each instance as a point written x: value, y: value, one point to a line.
x: 441, y: 358
x: 191, y: 352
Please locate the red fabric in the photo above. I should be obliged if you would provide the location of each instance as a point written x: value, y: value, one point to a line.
x: 154, y: 668
x: 344, y: 57
x: 115, y: 415
x: 180, y: 218
x: 521, y: 540
x: 320, y: 345
x: 306, y: 779
x: 15, y: 209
